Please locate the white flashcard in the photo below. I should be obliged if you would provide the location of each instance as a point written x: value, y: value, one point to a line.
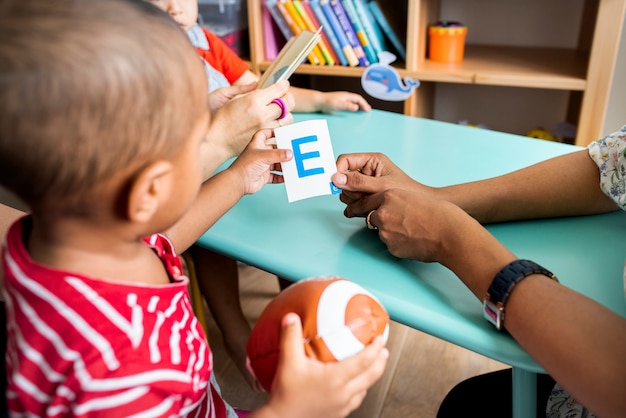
x: 308, y: 173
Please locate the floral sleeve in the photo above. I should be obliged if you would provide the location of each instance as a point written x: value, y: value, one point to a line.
x: 609, y: 153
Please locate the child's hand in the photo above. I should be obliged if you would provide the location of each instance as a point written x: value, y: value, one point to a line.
x: 304, y: 387
x: 259, y: 163
x: 343, y: 100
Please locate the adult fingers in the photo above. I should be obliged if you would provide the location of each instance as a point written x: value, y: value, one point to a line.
x: 356, y: 181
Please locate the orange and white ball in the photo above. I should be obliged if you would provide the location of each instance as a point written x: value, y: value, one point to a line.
x: 339, y: 318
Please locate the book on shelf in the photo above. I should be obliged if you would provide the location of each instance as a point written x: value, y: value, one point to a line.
x: 346, y: 47
x: 306, y: 4
x: 387, y: 28
x: 290, y: 57
x: 310, y: 25
x: 279, y: 20
x: 295, y: 29
x: 372, y: 30
x: 272, y: 37
x: 291, y: 9
x: 328, y: 31
x: 346, y: 25
x: 359, y: 30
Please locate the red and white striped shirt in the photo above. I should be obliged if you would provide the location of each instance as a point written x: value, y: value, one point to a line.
x: 79, y: 346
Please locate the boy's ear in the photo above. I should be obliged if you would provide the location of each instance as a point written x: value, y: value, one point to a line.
x: 148, y: 190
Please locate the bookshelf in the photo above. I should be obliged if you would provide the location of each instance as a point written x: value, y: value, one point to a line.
x: 584, y: 72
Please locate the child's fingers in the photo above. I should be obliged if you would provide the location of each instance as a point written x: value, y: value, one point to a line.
x: 365, y: 368
x: 263, y: 136
x: 291, y: 345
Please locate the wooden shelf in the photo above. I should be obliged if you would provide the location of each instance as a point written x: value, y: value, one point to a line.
x: 585, y: 71
x: 516, y: 67
x: 328, y: 70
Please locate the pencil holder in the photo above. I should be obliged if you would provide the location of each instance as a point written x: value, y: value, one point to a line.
x: 446, y: 42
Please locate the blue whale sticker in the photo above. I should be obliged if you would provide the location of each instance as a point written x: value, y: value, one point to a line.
x: 383, y: 82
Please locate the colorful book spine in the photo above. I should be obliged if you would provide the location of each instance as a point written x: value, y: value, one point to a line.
x: 357, y: 25
x: 344, y: 21
x: 306, y: 5
x: 328, y: 31
x: 347, y: 49
x: 280, y: 4
x: 271, y: 35
x: 310, y: 25
x: 279, y: 20
x: 372, y: 30
x: 387, y: 29
x: 291, y: 9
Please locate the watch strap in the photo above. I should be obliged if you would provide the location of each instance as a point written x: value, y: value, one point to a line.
x: 503, y: 284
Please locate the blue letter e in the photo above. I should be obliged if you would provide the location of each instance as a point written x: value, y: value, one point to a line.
x: 299, y: 156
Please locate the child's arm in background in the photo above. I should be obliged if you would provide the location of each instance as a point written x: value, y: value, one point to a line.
x: 253, y: 169
x: 307, y: 388
x: 309, y: 100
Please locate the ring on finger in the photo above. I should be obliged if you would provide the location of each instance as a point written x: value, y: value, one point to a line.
x: 283, y: 107
x: 368, y: 220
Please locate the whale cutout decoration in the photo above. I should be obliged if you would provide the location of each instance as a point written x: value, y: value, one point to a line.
x: 383, y: 82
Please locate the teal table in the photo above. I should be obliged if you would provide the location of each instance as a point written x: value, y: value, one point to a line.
x: 312, y: 237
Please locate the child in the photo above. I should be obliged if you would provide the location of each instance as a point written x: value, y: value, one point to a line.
x: 107, y: 146
x: 218, y: 274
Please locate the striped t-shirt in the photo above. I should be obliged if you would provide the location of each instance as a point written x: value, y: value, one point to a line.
x: 79, y: 346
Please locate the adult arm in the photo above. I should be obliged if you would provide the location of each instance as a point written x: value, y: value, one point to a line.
x: 578, y: 341
x: 566, y: 185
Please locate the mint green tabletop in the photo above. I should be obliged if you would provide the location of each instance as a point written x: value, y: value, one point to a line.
x: 312, y: 237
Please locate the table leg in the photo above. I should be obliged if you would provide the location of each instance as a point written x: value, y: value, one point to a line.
x: 524, y: 393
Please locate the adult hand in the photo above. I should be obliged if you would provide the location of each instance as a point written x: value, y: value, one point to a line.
x: 360, y: 175
x: 234, y: 124
x: 218, y: 98
x: 417, y: 226
x: 301, y: 382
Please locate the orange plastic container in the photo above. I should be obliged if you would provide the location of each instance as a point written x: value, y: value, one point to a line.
x: 446, y: 43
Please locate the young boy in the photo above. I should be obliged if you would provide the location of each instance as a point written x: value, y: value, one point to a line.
x: 108, y: 146
x: 230, y: 75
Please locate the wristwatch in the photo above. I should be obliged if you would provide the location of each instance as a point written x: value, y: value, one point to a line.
x: 503, y: 284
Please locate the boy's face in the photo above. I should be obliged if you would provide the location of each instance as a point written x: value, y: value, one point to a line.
x: 184, y: 12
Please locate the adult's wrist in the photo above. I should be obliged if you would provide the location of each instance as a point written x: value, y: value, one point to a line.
x: 473, y: 254
x: 504, y: 284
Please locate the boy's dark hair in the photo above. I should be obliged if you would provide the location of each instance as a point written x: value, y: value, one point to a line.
x: 90, y: 89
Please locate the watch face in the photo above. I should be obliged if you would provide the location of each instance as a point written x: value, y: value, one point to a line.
x: 493, y: 313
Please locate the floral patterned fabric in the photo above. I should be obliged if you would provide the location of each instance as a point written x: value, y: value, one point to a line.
x: 609, y: 153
